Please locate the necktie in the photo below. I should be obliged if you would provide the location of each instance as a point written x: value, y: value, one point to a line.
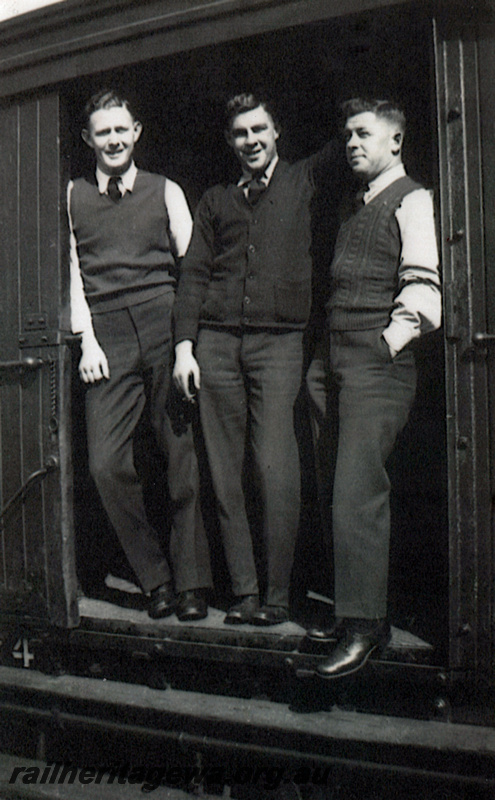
x: 359, y: 199
x: 255, y: 189
x: 113, y: 189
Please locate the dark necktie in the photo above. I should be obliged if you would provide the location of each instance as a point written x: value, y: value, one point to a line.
x: 359, y: 199
x: 113, y: 189
x: 255, y: 189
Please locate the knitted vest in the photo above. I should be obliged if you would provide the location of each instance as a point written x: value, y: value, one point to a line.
x: 123, y: 248
x: 364, y: 270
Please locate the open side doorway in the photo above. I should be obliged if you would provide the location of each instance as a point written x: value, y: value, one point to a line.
x: 308, y: 70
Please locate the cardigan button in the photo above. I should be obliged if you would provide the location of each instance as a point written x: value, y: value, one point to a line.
x: 251, y: 248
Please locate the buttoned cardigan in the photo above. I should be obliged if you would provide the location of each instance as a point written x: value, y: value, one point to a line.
x: 250, y: 266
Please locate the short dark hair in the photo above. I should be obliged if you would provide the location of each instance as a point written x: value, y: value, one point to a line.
x: 106, y: 98
x: 387, y: 109
x: 247, y: 101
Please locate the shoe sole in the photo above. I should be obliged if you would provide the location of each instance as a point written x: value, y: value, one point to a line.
x: 321, y: 639
x: 162, y: 615
x: 191, y: 617
x: 266, y: 623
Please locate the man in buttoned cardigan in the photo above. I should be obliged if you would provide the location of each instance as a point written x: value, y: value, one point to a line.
x: 129, y: 228
x: 242, y: 305
x: 385, y: 293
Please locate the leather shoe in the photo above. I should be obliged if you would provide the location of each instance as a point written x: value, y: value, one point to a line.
x: 324, y: 635
x: 353, y: 651
x: 243, y: 611
x: 191, y: 605
x: 162, y: 601
x: 271, y: 615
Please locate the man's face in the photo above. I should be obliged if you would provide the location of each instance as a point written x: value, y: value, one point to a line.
x: 372, y: 144
x: 253, y: 137
x: 112, y: 134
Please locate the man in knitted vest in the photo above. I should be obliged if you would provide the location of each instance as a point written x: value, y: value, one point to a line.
x: 242, y: 305
x: 129, y: 228
x: 385, y: 292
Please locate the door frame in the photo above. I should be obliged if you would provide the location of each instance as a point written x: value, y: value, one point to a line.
x: 73, y: 39
x: 459, y: 109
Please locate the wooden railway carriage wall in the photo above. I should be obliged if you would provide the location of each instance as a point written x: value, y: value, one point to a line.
x: 185, y: 56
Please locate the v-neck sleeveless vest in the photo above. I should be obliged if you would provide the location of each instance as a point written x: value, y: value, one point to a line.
x: 124, y: 248
x: 364, y: 270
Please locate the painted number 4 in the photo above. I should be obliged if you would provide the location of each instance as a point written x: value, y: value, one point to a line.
x: 21, y: 651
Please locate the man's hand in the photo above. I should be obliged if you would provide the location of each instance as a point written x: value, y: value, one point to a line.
x: 186, y: 372
x: 391, y: 350
x: 93, y: 365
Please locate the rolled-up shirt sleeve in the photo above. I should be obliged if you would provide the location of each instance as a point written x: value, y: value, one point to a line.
x: 179, y: 215
x: 80, y: 314
x: 418, y: 304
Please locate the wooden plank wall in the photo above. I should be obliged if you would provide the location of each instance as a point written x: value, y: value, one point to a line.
x: 31, y: 409
x: 459, y: 113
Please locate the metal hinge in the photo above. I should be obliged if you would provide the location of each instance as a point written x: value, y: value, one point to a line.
x: 40, y: 338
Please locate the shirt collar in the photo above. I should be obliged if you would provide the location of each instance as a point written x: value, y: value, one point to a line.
x: 265, y: 176
x: 127, y: 179
x: 382, y: 181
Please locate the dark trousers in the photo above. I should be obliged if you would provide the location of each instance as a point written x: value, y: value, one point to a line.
x: 321, y: 392
x: 375, y: 397
x: 137, y: 342
x: 250, y: 382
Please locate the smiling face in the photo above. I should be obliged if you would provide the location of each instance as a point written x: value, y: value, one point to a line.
x: 112, y: 133
x: 373, y: 144
x: 253, y: 136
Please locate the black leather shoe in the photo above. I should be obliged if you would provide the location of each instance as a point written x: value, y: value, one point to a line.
x: 162, y: 601
x: 191, y: 605
x: 324, y: 635
x: 353, y: 651
x: 243, y: 611
x: 271, y: 615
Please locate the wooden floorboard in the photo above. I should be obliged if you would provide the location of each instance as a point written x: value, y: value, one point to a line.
x: 101, y: 610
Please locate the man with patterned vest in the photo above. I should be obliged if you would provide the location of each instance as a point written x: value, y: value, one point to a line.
x: 385, y: 293
x: 129, y: 229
